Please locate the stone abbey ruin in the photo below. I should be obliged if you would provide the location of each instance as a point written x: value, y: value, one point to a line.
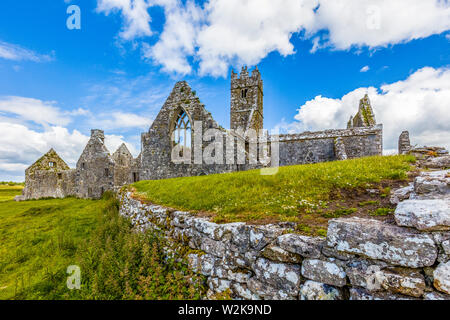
x: 179, y: 122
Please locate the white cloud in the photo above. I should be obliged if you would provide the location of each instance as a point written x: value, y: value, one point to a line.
x: 134, y: 13
x: 178, y: 40
x: 14, y: 52
x: 30, y: 127
x: 364, y: 69
x: 419, y: 104
x: 21, y: 146
x: 121, y: 120
x: 29, y: 109
x: 379, y: 23
x: 245, y: 32
x: 113, y: 142
x: 221, y: 33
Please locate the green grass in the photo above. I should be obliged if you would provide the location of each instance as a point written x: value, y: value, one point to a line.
x: 38, y: 241
x: 8, y: 192
x: 380, y: 212
x: 294, y: 190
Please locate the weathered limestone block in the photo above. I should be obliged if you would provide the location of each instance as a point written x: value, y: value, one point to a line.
x: 403, y: 281
x: 332, y: 253
x: 446, y: 247
x: 312, y: 290
x: 424, y: 215
x: 240, y: 238
x: 325, y: 272
x: 363, y: 294
x: 231, y: 272
x: 361, y: 273
x: 442, y: 240
x: 217, y: 285
x: 308, y: 247
x: 275, y: 253
x: 242, y: 291
x: 278, y: 275
x: 260, y: 236
x: 182, y: 219
x: 381, y: 241
x: 436, y: 296
x: 402, y: 194
x: 216, y: 231
x: 432, y: 185
x: 268, y: 292
x: 202, y: 263
x: 442, y: 277
x: 19, y: 198
x: 215, y: 248
x: 438, y: 163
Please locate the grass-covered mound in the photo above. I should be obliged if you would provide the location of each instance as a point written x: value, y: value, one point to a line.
x: 306, y: 194
x: 40, y: 239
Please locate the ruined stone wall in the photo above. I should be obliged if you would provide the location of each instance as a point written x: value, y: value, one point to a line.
x: 123, y: 166
x: 313, y: 147
x: 50, y: 184
x: 95, y: 168
x: 156, y: 161
x: 360, y: 259
x: 49, y: 177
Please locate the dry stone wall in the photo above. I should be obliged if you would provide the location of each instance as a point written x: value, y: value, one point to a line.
x: 360, y: 259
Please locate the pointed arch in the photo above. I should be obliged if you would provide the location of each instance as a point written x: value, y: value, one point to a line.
x: 181, y: 129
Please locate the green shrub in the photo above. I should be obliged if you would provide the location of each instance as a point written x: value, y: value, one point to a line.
x: 119, y: 263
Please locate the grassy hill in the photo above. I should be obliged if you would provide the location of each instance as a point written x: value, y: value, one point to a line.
x: 306, y: 194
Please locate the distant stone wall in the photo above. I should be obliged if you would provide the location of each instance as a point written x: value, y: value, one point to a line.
x: 95, y: 168
x: 360, y: 259
x: 50, y: 184
x: 313, y: 147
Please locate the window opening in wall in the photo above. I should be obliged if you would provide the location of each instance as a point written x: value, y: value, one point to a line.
x: 181, y: 134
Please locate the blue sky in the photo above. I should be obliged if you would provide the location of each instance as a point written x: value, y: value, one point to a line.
x: 317, y: 58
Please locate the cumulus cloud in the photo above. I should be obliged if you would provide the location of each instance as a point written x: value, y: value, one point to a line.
x: 365, y: 69
x: 220, y: 33
x: 14, y: 52
x: 134, y: 13
x: 29, y: 109
x: 418, y: 104
x: 178, y: 39
x: 375, y: 23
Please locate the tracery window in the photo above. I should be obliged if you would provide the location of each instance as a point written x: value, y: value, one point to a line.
x: 182, y: 131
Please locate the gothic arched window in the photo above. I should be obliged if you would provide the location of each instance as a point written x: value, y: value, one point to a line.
x: 182, y: 130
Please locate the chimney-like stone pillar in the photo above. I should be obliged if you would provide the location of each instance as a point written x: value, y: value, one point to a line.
x: 99, y: 134
x: 404, y: 144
